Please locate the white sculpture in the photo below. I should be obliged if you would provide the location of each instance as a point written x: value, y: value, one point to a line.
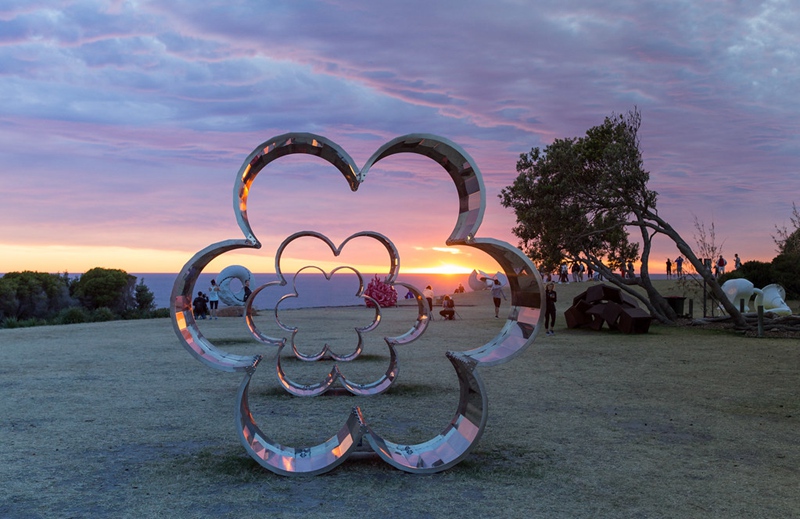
x: 771, y: 297
x: 774, y: 300
x: 480, y: 280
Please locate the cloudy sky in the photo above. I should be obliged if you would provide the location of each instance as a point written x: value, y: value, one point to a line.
x: 123, y: 123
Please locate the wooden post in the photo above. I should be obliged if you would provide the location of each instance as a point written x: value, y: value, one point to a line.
x: 760, y: 320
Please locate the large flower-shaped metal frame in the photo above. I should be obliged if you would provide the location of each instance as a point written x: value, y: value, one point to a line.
x: 371, y: 388
x: 466, y: 427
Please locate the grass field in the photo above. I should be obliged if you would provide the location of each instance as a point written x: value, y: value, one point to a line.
x: 117, y: 420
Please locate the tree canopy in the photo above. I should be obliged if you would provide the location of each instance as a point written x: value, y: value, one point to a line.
x: 110, y: 288
x: 577, y: 199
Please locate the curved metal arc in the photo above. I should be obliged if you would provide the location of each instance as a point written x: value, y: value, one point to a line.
x: 326, y: 349
x: 455, y: 442
x: 459, y: 165
x: 304, y: 389
x: 421, y: 323
x: 248, y: 316
x: 378, y: 386
x: 279, y: 146
x: 182, y: 315
x: 291, y: 461
x: 435, y: 455
x: 526, y: 314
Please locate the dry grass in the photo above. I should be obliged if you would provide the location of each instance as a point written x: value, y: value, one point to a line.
x: 117, y: 420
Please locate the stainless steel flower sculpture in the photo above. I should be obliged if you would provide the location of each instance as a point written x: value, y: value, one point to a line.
x: 463, y: 431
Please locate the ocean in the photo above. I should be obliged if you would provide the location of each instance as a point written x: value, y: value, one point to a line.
x: 313, y: 289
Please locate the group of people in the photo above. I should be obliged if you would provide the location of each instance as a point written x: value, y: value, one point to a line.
x: 205, y: 306
x: 205, y: 302
x: 719, y: 265
x: 448, y: 311
x: 678, y: 267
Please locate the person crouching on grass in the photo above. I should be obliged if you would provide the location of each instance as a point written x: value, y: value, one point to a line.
x: 448, y: 308
x: 550, y: 298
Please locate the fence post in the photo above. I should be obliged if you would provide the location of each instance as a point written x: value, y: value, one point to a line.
x: 760, y: 320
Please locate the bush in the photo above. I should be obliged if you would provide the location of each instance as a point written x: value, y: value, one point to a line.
x: 27, y: 295
x: 787, y: 273
x: 759, y: 273
x: 13, y: 322
x: 159, y: 313
x: 110, y: 288
x: 73, y: 315
x: 103, y: 314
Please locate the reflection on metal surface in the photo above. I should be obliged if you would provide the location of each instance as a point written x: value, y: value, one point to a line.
x: 460, y: 435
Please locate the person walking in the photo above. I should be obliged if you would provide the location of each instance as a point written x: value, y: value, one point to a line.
x: 550, y: 298
x: 497, y: 293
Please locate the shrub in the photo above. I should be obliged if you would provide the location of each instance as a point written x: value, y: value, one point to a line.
x: 787, y: 273
x: 759, y: 273
x: 26, y: 295
x: 13, y: 322
x: 103, y: 314
x: 159, y: 313
x: 73, y: 315
x: 111, y: 288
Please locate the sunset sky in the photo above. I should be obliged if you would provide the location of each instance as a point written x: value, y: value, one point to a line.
x: 123, y: 123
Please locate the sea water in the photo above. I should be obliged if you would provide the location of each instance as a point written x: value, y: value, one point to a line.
x: 313, y: 290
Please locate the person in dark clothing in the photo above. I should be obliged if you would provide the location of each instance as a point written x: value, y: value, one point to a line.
x: 448, y: 310
x: 200, y: 306
x: 550, y: 298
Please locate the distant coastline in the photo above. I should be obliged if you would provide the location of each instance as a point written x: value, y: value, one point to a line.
x: 313, y: 289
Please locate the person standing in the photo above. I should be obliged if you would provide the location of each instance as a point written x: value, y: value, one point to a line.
x: 247, y: 290
x: 721, y: 262
x: 550, y: 298
x: 669, y: 269
x: 737, y: 262
x: 428, y: 295
x: 563, y: 274
x: 213, y: 298
x: 679, y: 266
x: 497, y: 293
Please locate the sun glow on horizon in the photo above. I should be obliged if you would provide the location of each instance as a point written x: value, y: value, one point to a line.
x: 447, y: 268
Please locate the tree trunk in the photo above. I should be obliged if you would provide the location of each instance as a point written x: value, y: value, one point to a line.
x: 624, y: 285
x: 656, y: 299
x: 708, y: 277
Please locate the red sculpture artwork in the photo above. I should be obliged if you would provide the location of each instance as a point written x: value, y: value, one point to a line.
x: 383, y: 293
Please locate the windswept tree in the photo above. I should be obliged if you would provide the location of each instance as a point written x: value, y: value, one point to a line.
x: 577, y: 200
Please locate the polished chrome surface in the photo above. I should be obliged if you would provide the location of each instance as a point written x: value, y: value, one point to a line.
x: 463, y: 431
